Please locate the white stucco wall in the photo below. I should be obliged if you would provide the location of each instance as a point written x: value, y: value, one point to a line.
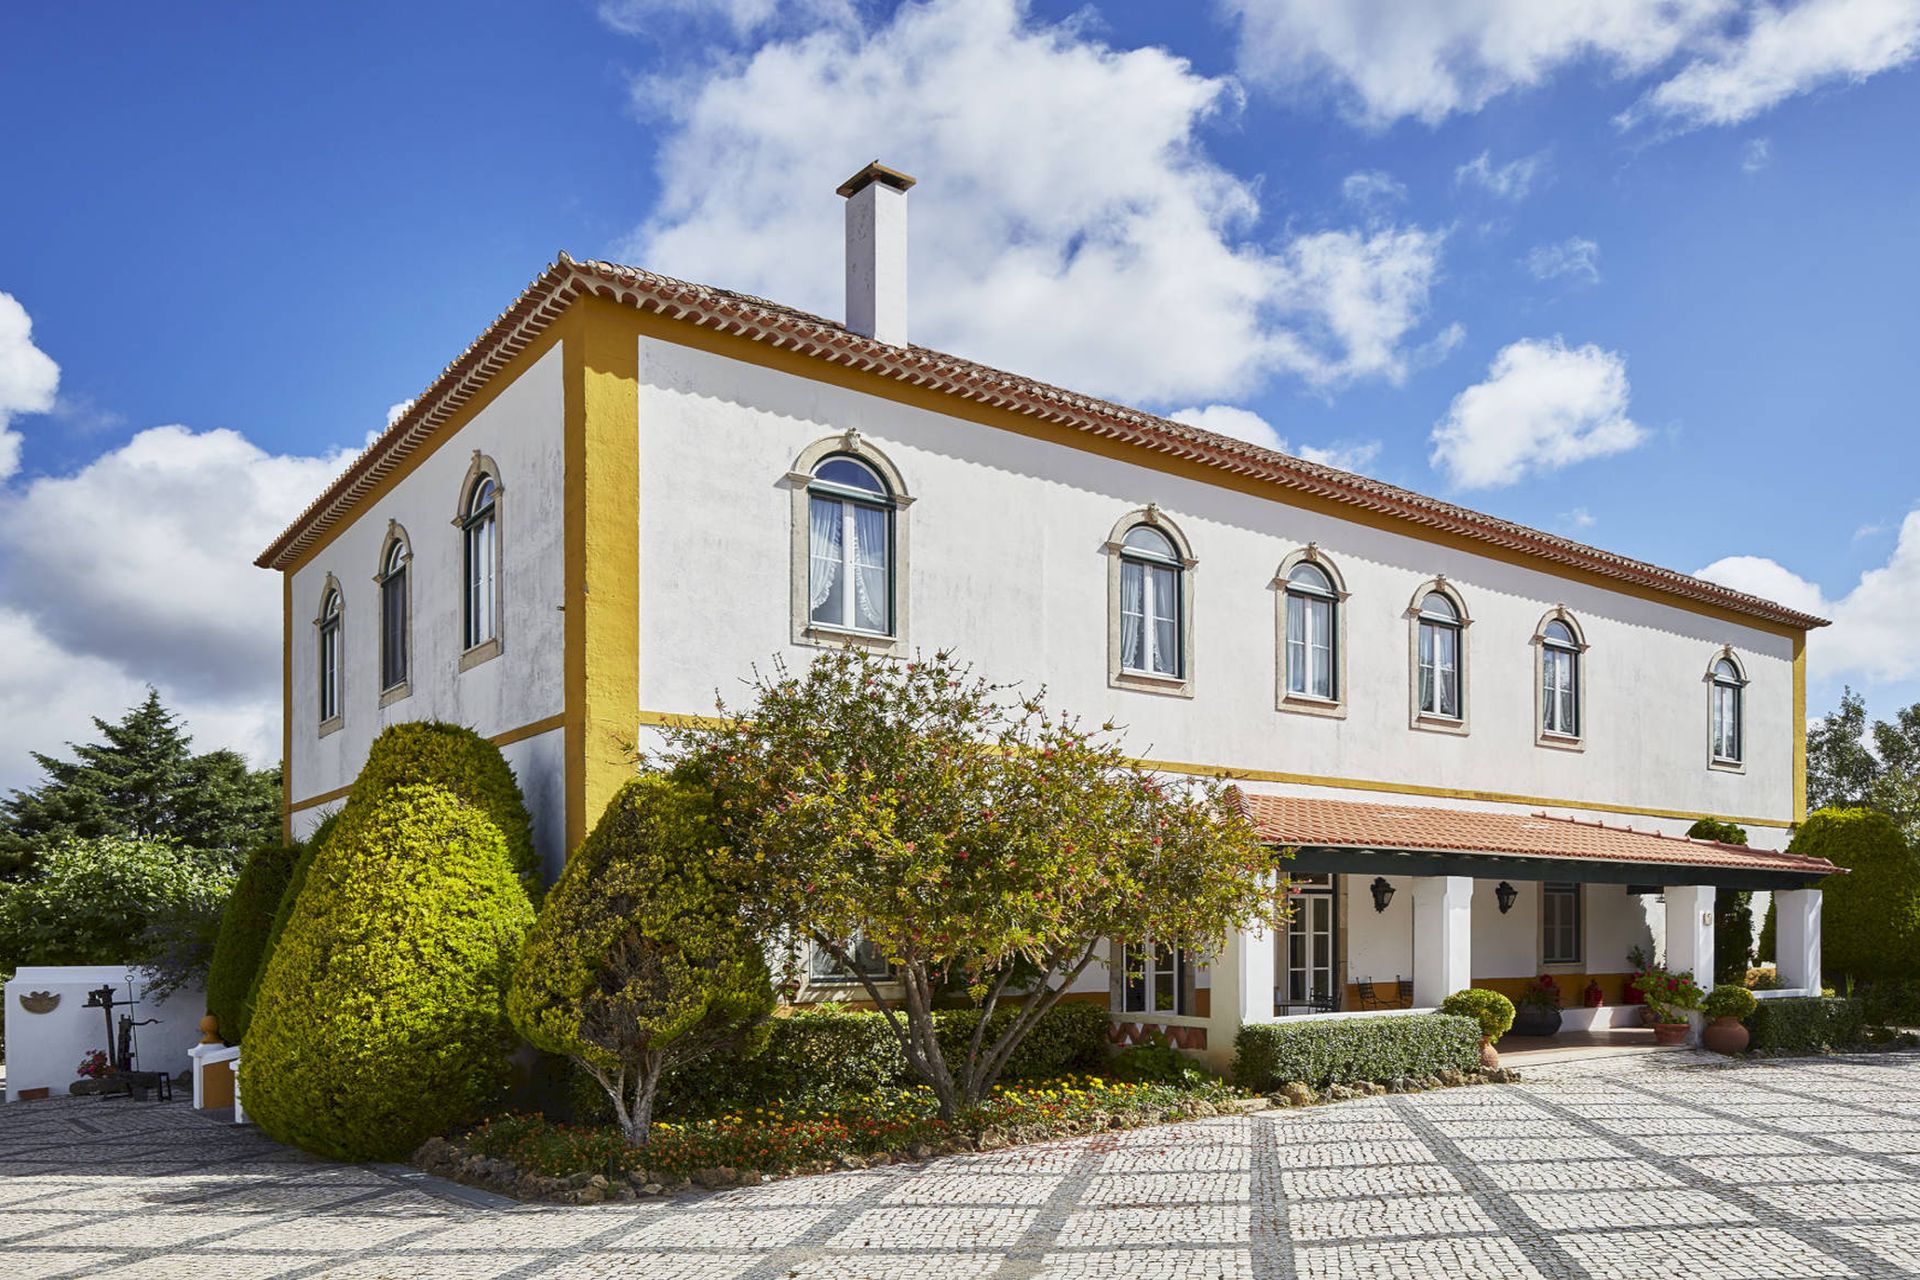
x: 1007, y: 567
x: 522, y: 432
x: 44, y: 1049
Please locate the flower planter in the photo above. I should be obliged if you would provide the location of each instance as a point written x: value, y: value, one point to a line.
x: 1535, y: 1020
x: 1489, y: 1056
x: 34, y: 1095
x: 1726, y: 1035
x: 1669, y: 1032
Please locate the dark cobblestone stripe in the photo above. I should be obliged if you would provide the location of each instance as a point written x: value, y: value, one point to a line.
x: 1023, y: 1260
x: 1270, y: 1233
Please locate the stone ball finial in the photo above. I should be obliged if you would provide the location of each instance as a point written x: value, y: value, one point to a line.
x: 210, y: 1030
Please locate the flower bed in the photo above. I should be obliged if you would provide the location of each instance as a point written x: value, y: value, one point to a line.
x: 535, y: 1158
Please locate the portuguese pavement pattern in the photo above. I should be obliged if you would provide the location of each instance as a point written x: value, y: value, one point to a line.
x: 1662, y: 1165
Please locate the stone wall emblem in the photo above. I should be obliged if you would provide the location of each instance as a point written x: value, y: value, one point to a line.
x: 39, y: 1001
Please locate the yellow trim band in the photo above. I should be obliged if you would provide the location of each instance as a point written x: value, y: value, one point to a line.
x: 505, y: 738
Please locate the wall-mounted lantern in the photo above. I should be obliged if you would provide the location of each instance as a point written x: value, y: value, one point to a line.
x: 1506, y: 893
x: 1382, y: 893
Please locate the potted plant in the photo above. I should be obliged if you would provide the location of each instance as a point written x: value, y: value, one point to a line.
x: 1728, y: 1006
x: 1538, y: 1011
x: 1669, y: 996
x: 1637, y: 959
x: 1493, y: 1011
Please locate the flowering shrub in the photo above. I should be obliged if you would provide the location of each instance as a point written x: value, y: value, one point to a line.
x: 1542, y: 991
x: 1669, y: 995
x: 94, y: 1065
x: 778, y: 1139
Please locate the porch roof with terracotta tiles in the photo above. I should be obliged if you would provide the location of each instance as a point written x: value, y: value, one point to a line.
x: 1307, y: 822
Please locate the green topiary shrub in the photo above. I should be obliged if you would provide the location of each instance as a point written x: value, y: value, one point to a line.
x: 1727, y: 1001
x: 1806, y: 1024
x: 434, y: 753
x: 1870, y: 930
x: 1155, y: 1062
x: 638, y: 962
x: 1346, y: 1050
x: 381, y: 1016
x: 1890, y: 1004
x: 1070, y: 1038
x: 1493, y: 1011
x: 245, y: 924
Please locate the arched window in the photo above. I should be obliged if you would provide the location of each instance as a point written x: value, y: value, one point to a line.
x: 480, y: 526
x: 1440, y: 683
x: 1559, y: 680
x: 849, y: 547
x: 394, y: 610
x: 1312, y: 632
x: 329, y: 656
x: 1150, y: 604
x: 1729, y: 691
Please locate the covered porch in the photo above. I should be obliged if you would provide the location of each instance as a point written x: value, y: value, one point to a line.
x: 1396, y: 907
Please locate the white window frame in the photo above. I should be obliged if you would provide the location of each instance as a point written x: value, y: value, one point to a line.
x: 1554, y: 651
x: 1180, y: 565
x: 846, y: 502
x: 1555, y: 897
x: 1419, y: 622
x: 1291, y: 646
x: 482, y: 621
x: 802, y: 485
x: 1175, y: 964
x: 330, y: 651
x: 1158, y: 575
x: 1730, y: 691
x: 395, y: 562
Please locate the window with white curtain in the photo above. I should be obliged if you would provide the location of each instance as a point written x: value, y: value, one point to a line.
x: 1155, y: 978
x: 1559, y: 681
x: 393, y: 617
x: 1559, y: 923
x: 849, y: 549
x: 1311, y: 608
x: 1728, y: 688
x: 482, y: 532
x: 1439, y: 644
x: 329, y: 664
x: 1150, y: 573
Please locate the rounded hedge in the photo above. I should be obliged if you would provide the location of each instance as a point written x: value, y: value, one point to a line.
x: 1870, y: 929
x: 1493, y: 1011
x: 1729, y: 1002
x: 245, y: 924
x: 434, y: 753
x: 381, y: 1016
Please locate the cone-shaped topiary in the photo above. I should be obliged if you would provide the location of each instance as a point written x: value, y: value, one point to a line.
x: 639, y: 962
x: 296, y: 876
x: 382, y: 1014
x: 1870, y: 928
x: 438, y: 754
x: 245, y: 924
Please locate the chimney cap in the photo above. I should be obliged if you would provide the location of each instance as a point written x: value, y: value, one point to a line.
x: 875, y: 172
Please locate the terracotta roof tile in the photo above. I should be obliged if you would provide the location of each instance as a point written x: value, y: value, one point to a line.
x: 781, y: 326
x: 1305, y: 821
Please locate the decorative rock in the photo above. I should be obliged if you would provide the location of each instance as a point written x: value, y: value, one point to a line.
x: 1450, y: 1078
x: 851, y: 1161
x: 714, y: 1179
x: 433, y: 1152
x: 1298, y: 1093
x: 751, y: 1178
x: 920, y: 1151
x: 589, y: 1195
x: 652, y: 1189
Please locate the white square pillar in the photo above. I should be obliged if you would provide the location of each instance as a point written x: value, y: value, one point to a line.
x: 1442, y: 937
x: 1240, y: 979
x: 1690, y: 931
x: 1796, y: 938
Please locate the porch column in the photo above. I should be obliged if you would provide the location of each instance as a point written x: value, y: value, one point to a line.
x: 1442, y: 943
x: 1241, y: 982
x: 1690, y: 931
x: 1796, y: 937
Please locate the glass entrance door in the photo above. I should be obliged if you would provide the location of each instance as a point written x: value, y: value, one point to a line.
x: 1310, y: 965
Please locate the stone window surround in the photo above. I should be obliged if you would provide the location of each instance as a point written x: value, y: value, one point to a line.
x: 482, y: 465
x: 799, y: 481
x: 396, y: 534
x: 1180, y: 686
x: 1416, y: 718
x: 333, y: 723
x: 1725, y: 653
x: 1305, y: 703
x: 1560, y: 741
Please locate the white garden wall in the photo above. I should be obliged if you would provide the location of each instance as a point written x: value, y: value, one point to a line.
x: 43, y: 1049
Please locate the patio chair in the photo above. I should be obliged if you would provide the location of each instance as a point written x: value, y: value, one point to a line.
x: 1406, y: 991
x: 1322, y: 1002
x: 1364, y: 995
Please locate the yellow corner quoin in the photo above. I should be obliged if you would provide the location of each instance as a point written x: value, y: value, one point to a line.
x: 286, y: 706
x: 1800, y: 727
x: 602, y: 548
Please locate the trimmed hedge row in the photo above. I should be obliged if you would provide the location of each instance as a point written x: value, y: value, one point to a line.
x: 1352, y: 1050
x: 1070, y: 1038
x: 1807, y: 1024
x: 245, y: 925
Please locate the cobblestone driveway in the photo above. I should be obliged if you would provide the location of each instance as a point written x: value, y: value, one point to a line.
x: 1664, y: 1165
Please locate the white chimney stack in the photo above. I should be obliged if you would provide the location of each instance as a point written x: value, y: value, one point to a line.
x: 877, y: 253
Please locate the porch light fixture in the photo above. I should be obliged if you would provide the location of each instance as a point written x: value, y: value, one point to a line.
x: 1506, y: 893
x: 1382, y: 893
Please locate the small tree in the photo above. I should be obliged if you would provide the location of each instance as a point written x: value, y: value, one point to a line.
x: 638, y: 963
x: 963, y: 832
x: 1870, y: 929
x: 95, y: 901
x: 1732, y: 909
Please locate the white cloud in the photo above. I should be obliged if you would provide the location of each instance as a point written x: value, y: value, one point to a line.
x: 1543, y: 406
x: 1106, y: 250
x: 1372, y: 189
x: 1509, y: 181
x: 744, y: 17
x: 394, y: 411
x: 1757, y: 155
x: 29, y: 379
x: 137, y: 569
x: 1578, y: 518
x: 1575, y: 256
x: 1785, y: 51
x: 1244, y: 424
x: 1385, y: 60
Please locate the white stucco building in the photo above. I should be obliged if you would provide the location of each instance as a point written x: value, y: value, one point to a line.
x: 631, y: 488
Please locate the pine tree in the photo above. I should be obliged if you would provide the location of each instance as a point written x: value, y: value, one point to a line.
x: 141, y: 782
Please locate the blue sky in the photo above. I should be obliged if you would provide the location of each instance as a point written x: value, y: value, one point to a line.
x: 1642, y: 273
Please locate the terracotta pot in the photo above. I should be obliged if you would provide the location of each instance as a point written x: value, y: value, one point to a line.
x: 1670, y: 1032
x: 1726, y: 1035
x: 1489, y: 1056
x: 34, y: 1095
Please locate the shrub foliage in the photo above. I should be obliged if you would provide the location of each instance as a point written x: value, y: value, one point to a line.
x: 1871, y: 925
x: 434, y: 753
x: 1806, y: 1024
x: 638, y: 963
x: 382, y: 1013
x: 1348, y: 1050
x: 242, y: 940
x: 1493, y: 1011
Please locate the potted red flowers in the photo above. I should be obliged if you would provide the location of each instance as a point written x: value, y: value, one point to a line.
x: 1669, y: 998
x: 1537, y: 1012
